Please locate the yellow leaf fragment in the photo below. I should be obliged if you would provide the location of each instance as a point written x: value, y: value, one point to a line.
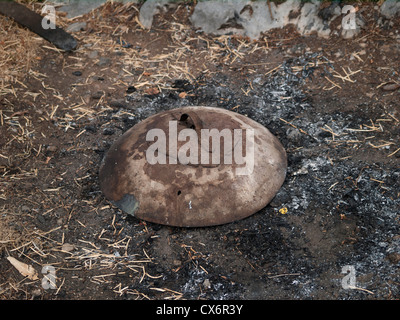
x: 283, y: 210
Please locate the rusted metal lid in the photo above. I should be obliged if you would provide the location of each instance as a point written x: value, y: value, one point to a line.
x: 194, y: 166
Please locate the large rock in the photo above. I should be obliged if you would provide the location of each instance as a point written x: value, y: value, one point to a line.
x: 250, y: 18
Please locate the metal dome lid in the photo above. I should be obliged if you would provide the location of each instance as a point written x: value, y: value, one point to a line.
x: 194, y: 166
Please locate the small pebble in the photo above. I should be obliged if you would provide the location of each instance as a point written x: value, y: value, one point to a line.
x: 108, y: 131
x: 97, y: 95
x: 207, y: 284
x: 36, y: 293
x: 76, y: 27
x: 394, y: 257
x: 77, y: 73
x: 25, y: 209
x: 117, y: 104
x: 67, y: 247
x: 90, y: 128
x: 391, y: 87
x: 93, y: 54
x: 103, y: 62
x: 338, y: 54
x: 52, y: 148
x: 41, y: 219
x: 177, y: 263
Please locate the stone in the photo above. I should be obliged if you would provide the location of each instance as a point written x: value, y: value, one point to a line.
x: 391, y: 87
x: 93, y: 54
x: 76, y: 27
x: 149, y: 9
x: 177, y: 263
x: 75, y: 8
x: 108, y: 131
x: 251, y: 18
x: 393, y: 257
x: 67, y: 247
x: 171, y: 169
x: 390, y: 8
x: 349, y: 33
x: 52, y: 148
x: 103, y: 62
x: 118, y: 103
x: 25, y: 209
x: 207, y: 284
x: 97, y: 95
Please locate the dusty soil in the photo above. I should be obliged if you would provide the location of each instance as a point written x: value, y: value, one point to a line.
x: 331, y: 102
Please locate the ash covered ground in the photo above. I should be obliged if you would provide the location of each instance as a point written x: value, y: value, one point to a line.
x: 326, y: 100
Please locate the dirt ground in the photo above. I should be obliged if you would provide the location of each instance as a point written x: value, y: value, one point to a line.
x: 333, y: 103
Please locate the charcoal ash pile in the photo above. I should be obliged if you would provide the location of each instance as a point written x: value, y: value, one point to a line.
x: 323, y: 183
